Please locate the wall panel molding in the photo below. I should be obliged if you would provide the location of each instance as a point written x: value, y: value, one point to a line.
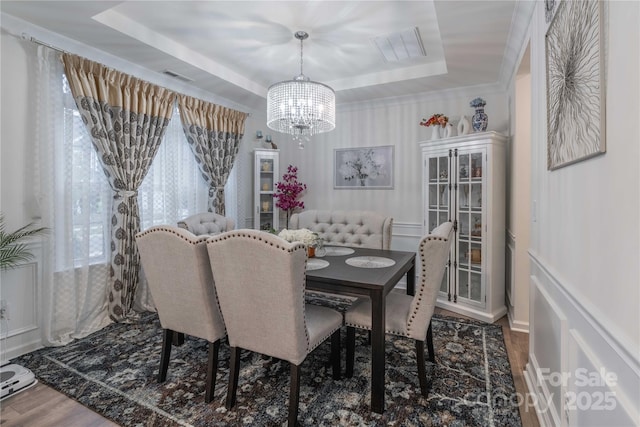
x: 568, y: 343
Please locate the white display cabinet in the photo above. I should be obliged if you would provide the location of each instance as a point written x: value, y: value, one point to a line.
x: 265, y: 175
x: 464, y: 182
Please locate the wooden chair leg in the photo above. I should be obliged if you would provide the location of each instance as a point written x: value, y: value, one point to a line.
x: 165, y: 355
x: 234, y: 372
x: 212, y: 370
x: 178, y: 339
x: 422, y: 375
x: 335, y: 354
x: 351, y: 350
x: 432, y: 353
x: 294, y: 395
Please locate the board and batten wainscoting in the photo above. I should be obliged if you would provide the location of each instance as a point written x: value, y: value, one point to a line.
x: 21, y: 298
x: 568, y: 345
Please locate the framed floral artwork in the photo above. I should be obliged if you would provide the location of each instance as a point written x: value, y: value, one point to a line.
x: 363, y: 168
x: 575, y: 83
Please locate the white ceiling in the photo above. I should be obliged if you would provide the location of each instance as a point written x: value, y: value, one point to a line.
x: 237, y: 49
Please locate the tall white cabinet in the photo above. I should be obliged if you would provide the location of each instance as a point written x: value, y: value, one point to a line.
x: 265, y: 175
x: 464, y: 182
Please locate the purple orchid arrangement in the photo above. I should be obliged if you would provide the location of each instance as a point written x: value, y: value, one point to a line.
x: 288, y: 191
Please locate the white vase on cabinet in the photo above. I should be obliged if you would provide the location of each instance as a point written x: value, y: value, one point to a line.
x: 464, y: 126
x: 464, y: 182
x: 435, y: 132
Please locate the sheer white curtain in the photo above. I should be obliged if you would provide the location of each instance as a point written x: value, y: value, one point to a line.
x: 73, y: 194
x: 75, y: 202
x: 173, y: 188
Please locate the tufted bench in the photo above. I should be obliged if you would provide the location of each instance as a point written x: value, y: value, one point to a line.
x: 207, y: 223
x: 346, y: 228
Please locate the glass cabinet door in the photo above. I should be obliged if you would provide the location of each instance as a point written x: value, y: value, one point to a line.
x: 266, y: 170
x: 470, y: 225
x: 439, y: 197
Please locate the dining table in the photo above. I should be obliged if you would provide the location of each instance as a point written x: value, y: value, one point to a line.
x: 357, y: 271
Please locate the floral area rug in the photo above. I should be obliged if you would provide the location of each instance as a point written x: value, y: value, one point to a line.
x: 113, y: 372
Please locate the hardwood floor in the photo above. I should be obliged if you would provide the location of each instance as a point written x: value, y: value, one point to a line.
x: 42, y: 406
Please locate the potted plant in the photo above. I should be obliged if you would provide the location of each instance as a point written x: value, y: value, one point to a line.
x: 288, y: 191
x: 13, y: 248
x: 13, y: 252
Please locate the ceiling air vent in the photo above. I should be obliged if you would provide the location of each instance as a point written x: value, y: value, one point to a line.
x: 401, y: 45
x: 177, y: 75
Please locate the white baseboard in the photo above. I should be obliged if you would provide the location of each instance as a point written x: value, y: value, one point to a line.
x: 471, y: 312
x: 516, y: 325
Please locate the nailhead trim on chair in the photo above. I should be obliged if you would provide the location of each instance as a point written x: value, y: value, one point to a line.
x: 422, y: 281
x: 188, y: 238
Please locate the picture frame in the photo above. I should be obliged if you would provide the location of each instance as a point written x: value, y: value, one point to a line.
x: 363, y: 168
x: 575, y: 83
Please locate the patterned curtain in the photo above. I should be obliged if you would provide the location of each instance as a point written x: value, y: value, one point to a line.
x: 126, y: 118
x: 214, y: 133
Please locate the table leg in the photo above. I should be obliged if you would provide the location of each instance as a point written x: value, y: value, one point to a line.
x: 411, y: 280
x: 377, y: 351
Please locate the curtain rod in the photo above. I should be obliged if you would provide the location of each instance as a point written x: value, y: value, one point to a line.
x: 30, y: 38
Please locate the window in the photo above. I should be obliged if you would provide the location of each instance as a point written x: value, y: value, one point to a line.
x: 83, y: 190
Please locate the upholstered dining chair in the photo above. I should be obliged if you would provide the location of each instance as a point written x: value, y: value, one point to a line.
x: 406, y: 315
x: 176, y: 264
x: 209, y: 223
x: 260, y: 281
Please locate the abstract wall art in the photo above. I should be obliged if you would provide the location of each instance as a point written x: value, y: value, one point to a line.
x: 575, y: 83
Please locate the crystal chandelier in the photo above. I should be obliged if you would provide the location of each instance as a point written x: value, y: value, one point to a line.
x: 301, y: 107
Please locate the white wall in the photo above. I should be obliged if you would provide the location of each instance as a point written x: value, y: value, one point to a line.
x: 20, y: 288
x: 585, y: 252
x: 518, y: 198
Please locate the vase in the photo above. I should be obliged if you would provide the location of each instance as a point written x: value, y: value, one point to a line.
x: 463, y: 126
x: 449, y: 131
x: 479, y: 120
x: 311, y: 251
x: 435, y: 133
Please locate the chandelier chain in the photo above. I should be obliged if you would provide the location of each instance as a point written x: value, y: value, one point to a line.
x: 301, y: 41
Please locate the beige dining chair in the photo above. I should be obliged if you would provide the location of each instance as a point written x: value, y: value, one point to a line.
x: 406, y: 315
x: 260, y: 281
x: 209, y: 223
x: 176, y: 265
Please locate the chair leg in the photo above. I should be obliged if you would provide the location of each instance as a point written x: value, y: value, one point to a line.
x: 294, y: 395
x: 212, y: 370
x: 335, y: 354
x: 432, y: 353
x: 165, y: 355
x: 351, y: 350
x: 234, y: 372
x: 178, y: 339
x: 422, y: 375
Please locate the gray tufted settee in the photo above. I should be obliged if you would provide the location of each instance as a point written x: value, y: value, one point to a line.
x: 346, y: 228
x: 207, y: 223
